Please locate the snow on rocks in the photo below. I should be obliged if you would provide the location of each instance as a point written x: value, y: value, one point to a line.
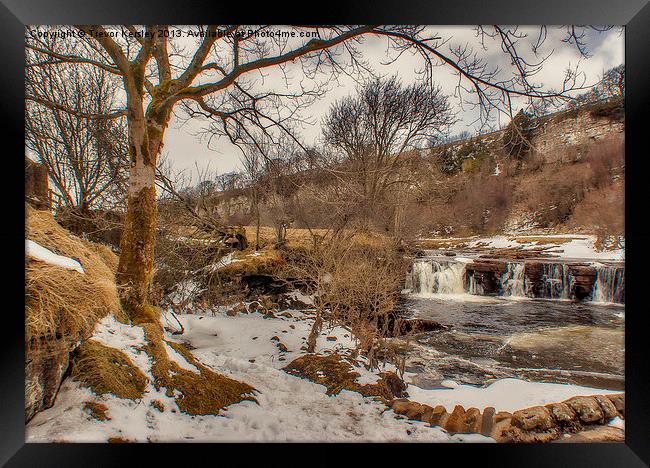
x: 38, y: 252
x: 567, y: 246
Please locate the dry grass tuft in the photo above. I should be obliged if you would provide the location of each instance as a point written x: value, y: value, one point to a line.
x: 66, y: 303
x: 158, y: 405
x: 336, y: 374
x: 205, y: 392
x: 97, y: 410
x: 107, y: 370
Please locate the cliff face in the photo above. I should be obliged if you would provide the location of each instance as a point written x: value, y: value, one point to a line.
x: 577, y: 128
x: 557, y: 138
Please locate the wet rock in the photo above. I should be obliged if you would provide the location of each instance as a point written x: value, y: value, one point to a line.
x: 331, y: 338
x: 587, y: 409
x: 584, y: 277
x: 414, y: 326
x: 487, y: 274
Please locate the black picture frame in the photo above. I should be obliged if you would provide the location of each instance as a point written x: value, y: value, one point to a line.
x: 635, y: 14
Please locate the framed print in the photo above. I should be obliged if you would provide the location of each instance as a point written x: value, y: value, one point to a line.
x: 411, y: 230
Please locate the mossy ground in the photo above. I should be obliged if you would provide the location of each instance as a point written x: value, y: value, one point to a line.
x: 205, y: 392
x: 336, y: 375
x: 107, y: 370
x: 99, y: 411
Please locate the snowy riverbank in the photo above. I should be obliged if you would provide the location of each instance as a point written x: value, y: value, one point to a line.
x: 247, y: 347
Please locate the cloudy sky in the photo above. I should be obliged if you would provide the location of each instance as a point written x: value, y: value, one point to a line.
x: 186, y: 151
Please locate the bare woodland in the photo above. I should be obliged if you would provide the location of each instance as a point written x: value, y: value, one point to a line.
x: 98, y: 108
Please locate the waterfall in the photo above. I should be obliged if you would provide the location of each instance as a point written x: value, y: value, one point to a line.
x: 610, y: 284
x: 513, y: 281
x: 473, y: 286
x: 557, y: 281
x: 433, y: 277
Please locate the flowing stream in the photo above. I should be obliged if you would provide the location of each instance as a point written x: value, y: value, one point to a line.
x: 529, y: 326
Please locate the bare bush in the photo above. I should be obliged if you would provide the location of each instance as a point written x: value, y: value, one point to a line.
x: 356, y: 282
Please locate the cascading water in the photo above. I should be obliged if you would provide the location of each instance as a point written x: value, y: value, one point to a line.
x: 557, y: 281
x: 473, y: 286
x: 513, y: 281
x: 610, y: 284
x: 430, y: 276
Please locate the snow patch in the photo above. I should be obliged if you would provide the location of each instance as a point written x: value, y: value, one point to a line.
x: 503, y: 394
x: 38, y: 252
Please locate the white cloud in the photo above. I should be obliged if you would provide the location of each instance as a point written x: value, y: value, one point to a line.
x: 185, y: 150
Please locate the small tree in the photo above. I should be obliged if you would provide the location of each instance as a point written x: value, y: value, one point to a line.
x: 517, y: 135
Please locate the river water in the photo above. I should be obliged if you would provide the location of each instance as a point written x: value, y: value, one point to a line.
x: 552, y: 339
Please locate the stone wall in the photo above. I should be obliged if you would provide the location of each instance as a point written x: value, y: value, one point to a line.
x: 535, y: 424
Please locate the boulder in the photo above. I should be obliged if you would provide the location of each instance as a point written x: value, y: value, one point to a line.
x: 533, y: 425
x: 587, y: 409
x: 609, y: 410
x: 501, y: 427
x: 564, y: 417
x: 45, y: 366
x: 486, y: 421
x: 595, y: 434
x: 619, y: 402
x: 439, y: 416
x: 473, y: 421
x: 536, y: 418
x: 456, y: 421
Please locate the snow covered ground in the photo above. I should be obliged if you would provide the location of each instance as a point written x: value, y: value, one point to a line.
x: 288, y: 408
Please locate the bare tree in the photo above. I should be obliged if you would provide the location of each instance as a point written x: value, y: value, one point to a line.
x: 158, y: 71
x: 252, y: 160
x: 86, y: 159
x: 377, y: 126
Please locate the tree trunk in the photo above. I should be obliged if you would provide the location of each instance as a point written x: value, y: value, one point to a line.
x: 135, y: 270
x: 257, y: 222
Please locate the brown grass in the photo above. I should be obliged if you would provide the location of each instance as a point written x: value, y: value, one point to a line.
x: 107, y: 370
x: 444, y: 243
x: 61, y: 302
x: 336, y: 374
x: 97, y: 410
x: 205, y: 392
